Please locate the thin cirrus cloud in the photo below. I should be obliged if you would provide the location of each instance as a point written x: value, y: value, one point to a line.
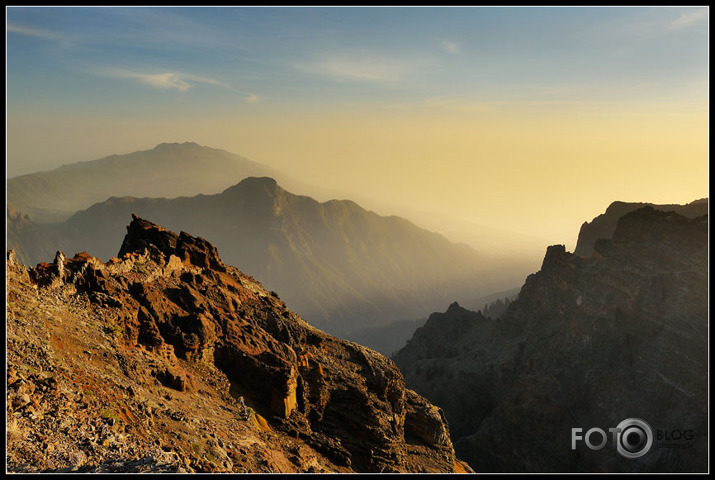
x: 253, y: 99
x: 39, y: 33
x: 164, y: 81
x: 450, y: 47
x: 688, y: 19
x: 357, y: 69
x: 32, y: 32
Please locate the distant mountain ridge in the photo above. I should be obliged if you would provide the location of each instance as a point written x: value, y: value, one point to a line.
x: 604, y: 225
x: 341, y: 266
x: 168, y: 170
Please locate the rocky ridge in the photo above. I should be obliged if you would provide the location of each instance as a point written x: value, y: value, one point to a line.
x: 603, y: 226
x: 167, y: 359
x: 588, y: 343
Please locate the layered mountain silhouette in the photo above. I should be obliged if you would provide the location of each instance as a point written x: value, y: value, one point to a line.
x: 340, y: 266
x: 604, y: 225
x: 389, y: 338
x: 168, y: 170
x: 32, y: 242
x: 169, y: 360
x: 590, y: 342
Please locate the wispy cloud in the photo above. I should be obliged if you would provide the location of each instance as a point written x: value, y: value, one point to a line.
x: 452, y: 48
x: 163, y: 27
x: 32, y: 32
x: 165, y: 81
x: 39, y: 33
x: 252, y: 98
x: 358, y: 69
x: 688, y: 19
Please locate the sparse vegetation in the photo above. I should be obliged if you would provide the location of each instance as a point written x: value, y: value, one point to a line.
x: 142, y: 268
x: 114, y: 329
x: 109, y: 415
x: 261, y: 422
x: 14, y: 432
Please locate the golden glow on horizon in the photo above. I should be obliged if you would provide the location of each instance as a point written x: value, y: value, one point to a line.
x: 541, y: 172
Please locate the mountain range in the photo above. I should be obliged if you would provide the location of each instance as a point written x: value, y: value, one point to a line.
x: 341, y: 267
x: 590, y: 342
x: 168, y: 170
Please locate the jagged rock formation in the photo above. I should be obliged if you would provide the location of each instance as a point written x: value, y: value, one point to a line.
x: 589, y: 342
x: 167, y: 359
x: 604, y: 225
x: 497, y: 308
x: 338, y: 265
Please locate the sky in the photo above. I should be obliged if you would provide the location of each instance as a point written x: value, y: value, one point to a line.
x: 531, y: 120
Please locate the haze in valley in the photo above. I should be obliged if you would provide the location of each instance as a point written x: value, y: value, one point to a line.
x: 490, y: 125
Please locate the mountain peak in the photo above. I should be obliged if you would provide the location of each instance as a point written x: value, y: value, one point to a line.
x: 454, y: 307
x: 255, y: 187
x: 168, y: 170
x: 259, y: 181
x: 175, y: 145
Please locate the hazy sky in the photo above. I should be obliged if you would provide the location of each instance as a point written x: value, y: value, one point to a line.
x: 530, y: 119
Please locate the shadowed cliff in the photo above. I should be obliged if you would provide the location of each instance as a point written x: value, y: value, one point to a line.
x: 588, y: 343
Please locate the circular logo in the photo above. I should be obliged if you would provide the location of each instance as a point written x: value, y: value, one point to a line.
x: 634, y: 438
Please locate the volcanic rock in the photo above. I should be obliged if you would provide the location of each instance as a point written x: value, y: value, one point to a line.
x: 173, y: 329
x: 589, y: 342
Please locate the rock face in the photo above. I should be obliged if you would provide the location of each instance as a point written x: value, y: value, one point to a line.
x: 211, y: 348
x: 604, y: 225
x: 589, y: 343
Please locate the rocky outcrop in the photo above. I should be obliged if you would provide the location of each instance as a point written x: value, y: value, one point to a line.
x: 171, y: 299
x: 603, y: 226
x: 588, y: 343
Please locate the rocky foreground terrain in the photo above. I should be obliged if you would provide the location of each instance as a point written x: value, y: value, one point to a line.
x: 167, y: 360
x: 588, y: 343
